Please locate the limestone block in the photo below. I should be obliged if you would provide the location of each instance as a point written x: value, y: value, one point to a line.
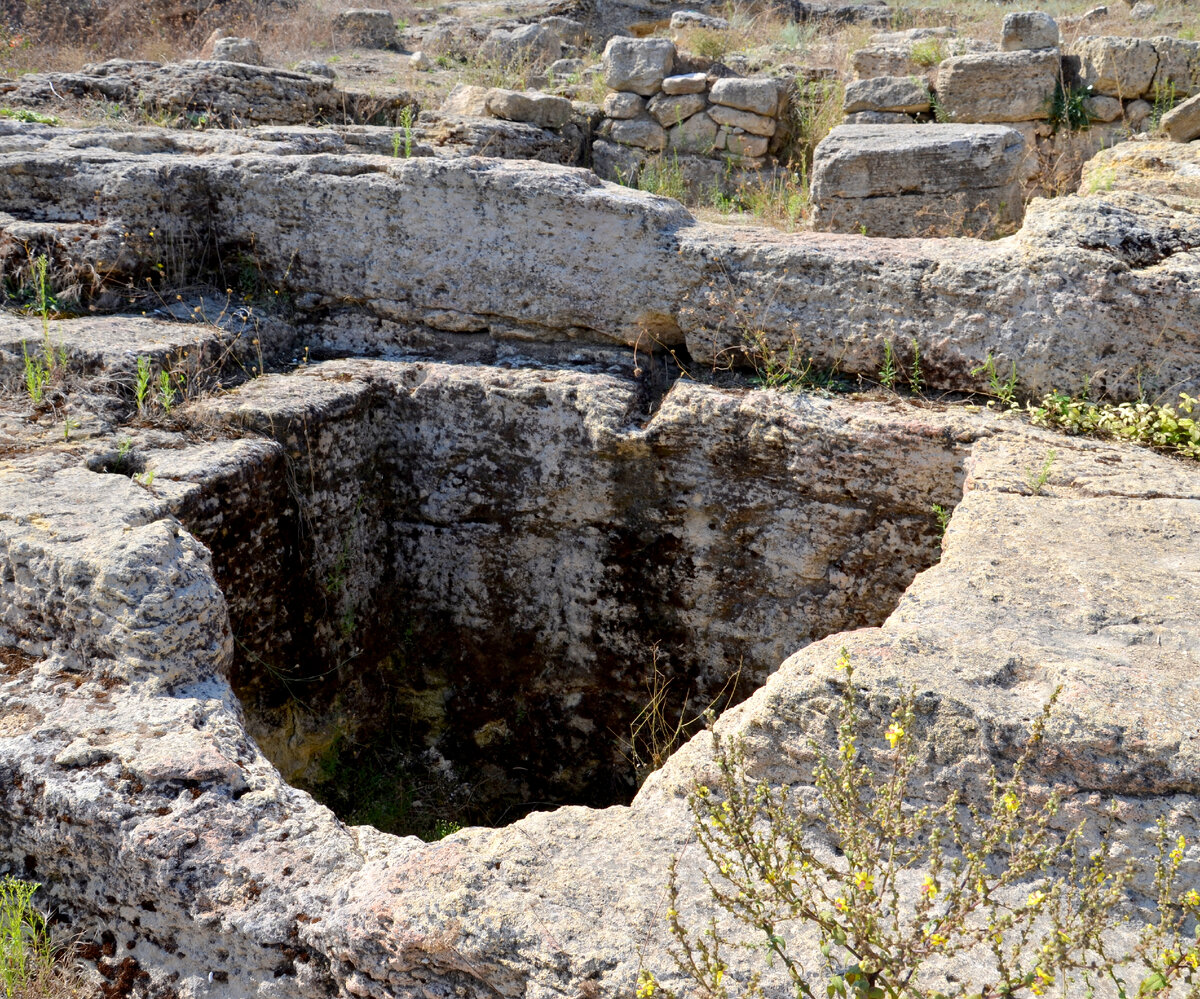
x: 315, y: 68
x: 644, y: 133
x: 882, y: 60
x: 1182, y: 123
x: 615, y: 162
x: 755, y: 124
x: 887, y: 93
x: 879, y: 118
x: 757, y: 94
x: 1102, y: 108
x: 1117, y: 67
x: 1137, y: 112
x: 674, y: 110
x: 1143, y: 11
x: 696, y: 135
x: 569, y: 31
x: 1029, y: 29
x: 543, y: 110
x: 243, y: 50
x: 685, y: 83
x: 530, y: 44
x: 998, y: 87
x: 694, y: 19
x: 638, y: 65
x: 744, y: 144
x: 894, y: 180
x: 367, y: 29
x: 1178, y: 67
x: 623, y: 105
x: 466, y: 99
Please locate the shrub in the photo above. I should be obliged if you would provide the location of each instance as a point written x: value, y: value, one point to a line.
x: 908, y: 886
x: 1166, y: 428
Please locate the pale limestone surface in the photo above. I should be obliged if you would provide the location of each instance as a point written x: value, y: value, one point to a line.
x: 998, y: 87
x: 117, y: 713
x: 887, y: 93
x: 1060, y: 298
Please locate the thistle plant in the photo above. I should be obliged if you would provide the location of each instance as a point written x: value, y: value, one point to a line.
x: 903, y: 888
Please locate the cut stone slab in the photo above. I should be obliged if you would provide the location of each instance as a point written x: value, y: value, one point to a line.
x: 1182, y: 123
x: 638, y: 65
x: 466, y: 99
x: 531, y: 44
x: 694, y: 19
x: 624, y: 105
x: 696, y: 135
x: 677, y: 109
x: 244, y: 50
x: 747, y: 121
x: 1029, y: 29
x: 543, y: 110
x: 887, y: 93
x: 879, y: 118
x: 368, y: 29
x: 1178, y: 67
x: 898, y: 181
x: 645, y: 133
x: 1103, y: 109
x: 1116, y: 66
x: 999, y: 87
x: 685, y: 83
x: 757, y: 94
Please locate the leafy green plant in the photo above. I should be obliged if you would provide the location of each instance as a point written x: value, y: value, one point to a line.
x: 166, y: 391
x: 927, y: 52
x: 1167, y: 428
x: 406, y: 123
x: 1004, y: 390
x: 1067, y: 112
x: 890, y: 371
x: 1164, y: 99
x: 908, y: 886
x: 916, y: 379
x: 36, y: 374
x: 1036, y: 479
x: 25, y: 949
x: 24, y: 114
x: 141, y: 384
x: 943, y: 518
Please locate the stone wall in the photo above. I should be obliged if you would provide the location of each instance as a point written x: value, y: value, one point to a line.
x: 930, y: 75
x: 718, y: 130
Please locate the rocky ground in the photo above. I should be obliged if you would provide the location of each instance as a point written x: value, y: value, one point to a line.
x: 370, y: 478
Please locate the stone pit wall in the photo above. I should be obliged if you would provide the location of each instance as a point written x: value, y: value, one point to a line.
x: 518, y: 551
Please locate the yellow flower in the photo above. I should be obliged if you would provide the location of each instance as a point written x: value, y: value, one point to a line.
x: 930, y: 888
x: 840, y: 904
x: 646, y: 985
x: 843, y: 661
x: 1192, y: 897
x: 1035, y: 899
x: 864, y: 880
x: 894, y: 734
x: 1011, y: 801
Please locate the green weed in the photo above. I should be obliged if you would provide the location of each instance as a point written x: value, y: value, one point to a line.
x: 928, y: 52
x: 1004, y: 390
x: 890, y: 371
x: 909, y: 885
x: 24, y: 114
x: 25, y: 949
x: 1067, y: 112
x: 1037, y: 479
x: 1166, y: 428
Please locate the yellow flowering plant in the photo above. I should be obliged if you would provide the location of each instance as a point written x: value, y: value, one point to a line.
x: 899, y: 888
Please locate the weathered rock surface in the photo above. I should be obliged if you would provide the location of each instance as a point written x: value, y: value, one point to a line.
x: 1168, y: 171
x: 1178, y: 67
x: 368, y: 29
x: 1060, y: 298
x: 1182, y: 123
x: 238, y: 50
x: 999, y: 87
x: 1029, y: 29
x: 758, y: 95
x: 887, y: 93
x: 638, y: 65
x: 912, y: 181
x: 1117, y: 66
x: 129, y: 773
x: 542, y: 110
x: 228, y: 93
